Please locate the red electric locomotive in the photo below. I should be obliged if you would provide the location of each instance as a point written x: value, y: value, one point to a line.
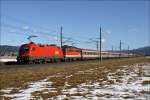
x: 30, y: 53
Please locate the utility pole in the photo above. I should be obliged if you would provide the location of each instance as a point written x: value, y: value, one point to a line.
x: 133, y: 52
x: 120, y: 48
x: 100, y: 44
x: 128, y: 50
x: 112, y: 49
x: 97, y: 45
x: 61, y: 43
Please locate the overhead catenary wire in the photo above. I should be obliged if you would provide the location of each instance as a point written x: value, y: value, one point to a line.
x: 27, y: 30
x: 32, y: 30
x: 25, y: 23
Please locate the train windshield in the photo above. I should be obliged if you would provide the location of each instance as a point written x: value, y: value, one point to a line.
x: 24, y: 49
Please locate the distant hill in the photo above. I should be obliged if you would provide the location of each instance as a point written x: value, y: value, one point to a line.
x: 140, y: 51
x: 143, y: 51
x: 6, y: 49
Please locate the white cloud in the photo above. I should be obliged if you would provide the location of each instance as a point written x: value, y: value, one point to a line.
x: 108, y: 31
x: 133, y: 30
x: 56, y: 38
x: 25, y: 27
x: 12, y: 30
x: 34, y: 31
x: 103, y: 40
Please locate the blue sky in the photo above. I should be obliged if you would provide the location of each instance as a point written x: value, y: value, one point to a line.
x: 120, y: 20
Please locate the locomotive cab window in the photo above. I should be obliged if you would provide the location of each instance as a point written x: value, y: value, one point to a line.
x: 24, y: 49
x: 33, y: 49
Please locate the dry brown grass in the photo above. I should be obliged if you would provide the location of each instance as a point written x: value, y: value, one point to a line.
x: 5, y: 98
x: 44, y: 94
x: 19, y: 76
x: 146, y: 82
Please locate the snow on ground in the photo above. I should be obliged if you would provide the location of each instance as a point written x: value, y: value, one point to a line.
x: 126, y: 83
x: 8, y: 60
x: 127, y: 86
x: 25, y: 94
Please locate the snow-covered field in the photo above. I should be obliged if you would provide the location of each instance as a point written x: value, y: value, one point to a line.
x: 129, y: 83
x: 8, y: 60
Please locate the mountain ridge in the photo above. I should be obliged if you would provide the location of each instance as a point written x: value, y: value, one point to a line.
x: 7, y: 49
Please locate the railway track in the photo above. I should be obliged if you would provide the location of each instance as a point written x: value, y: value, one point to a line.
x: 15, y: 64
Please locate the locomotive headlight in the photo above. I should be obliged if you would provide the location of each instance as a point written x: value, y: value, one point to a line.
x: 56, y: 52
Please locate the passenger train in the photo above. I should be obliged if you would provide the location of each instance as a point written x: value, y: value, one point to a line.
x: 38, y: 53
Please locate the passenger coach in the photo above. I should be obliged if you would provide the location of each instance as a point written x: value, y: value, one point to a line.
x: 89, y: 54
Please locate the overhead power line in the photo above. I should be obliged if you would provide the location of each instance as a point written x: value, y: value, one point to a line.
x: 25, y: 23
x: 46, y: 31
x: 31, y: 31
x: 27, y: 30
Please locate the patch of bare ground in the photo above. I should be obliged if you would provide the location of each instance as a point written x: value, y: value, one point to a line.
x: 48, y: 94
x: 5, y: 98
x: 44, y: 94
x: 145, y: 82
x: 144, y: 91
